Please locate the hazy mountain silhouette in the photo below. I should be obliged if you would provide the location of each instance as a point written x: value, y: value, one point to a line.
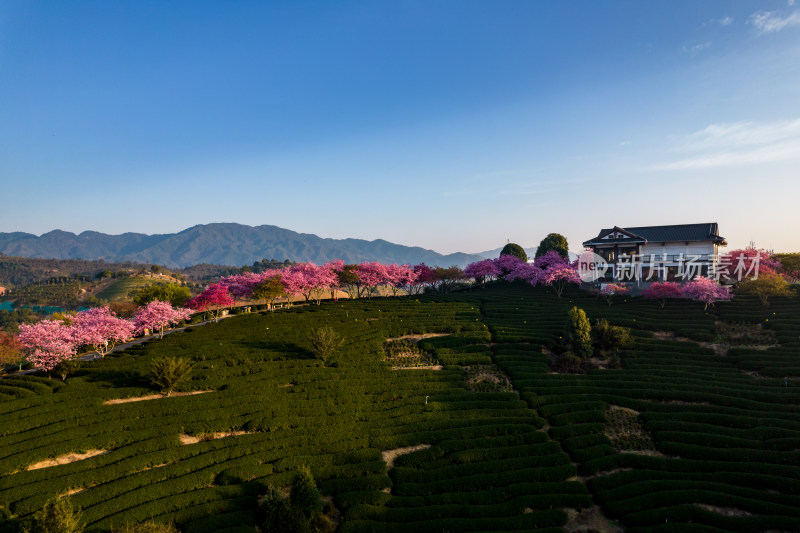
x: 221, y: 243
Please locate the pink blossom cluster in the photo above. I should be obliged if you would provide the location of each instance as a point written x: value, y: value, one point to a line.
x: 701, y: 289
x: 49, y: 342
x: 610, y: 289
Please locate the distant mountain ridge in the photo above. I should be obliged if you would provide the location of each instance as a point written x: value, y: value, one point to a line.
x: 219, y: 243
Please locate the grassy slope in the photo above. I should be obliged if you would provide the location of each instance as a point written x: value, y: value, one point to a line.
x: 118, y: 289
x: 736, y: 436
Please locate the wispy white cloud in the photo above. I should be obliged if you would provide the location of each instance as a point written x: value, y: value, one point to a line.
x: 790, y: 3
x: 726, y: 21
x: 770, y: 21
x: 739, y: 143
x: 696, y: 49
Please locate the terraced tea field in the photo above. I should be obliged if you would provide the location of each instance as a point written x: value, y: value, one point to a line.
x: 685, y: 436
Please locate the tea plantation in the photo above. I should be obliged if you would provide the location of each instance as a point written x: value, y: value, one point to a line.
x: 682, y: 436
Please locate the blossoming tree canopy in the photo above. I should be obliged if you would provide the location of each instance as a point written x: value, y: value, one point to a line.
x: 212, y: 300
x: 506, y: 263
x: 524, y: 272
x: 610, y: 289
x: 425, y: 275
x: 559, y: 277
x: 661, y: 291
x: 747, y: 263
x: 370, y: 275
x: 158, y: 315
x: 482, y: 271
x: 707, y: 291
x: 100, y: 328
x: 47, y: 343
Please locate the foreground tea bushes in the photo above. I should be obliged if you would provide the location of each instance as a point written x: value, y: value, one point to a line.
x: 723, y: 444
x: 334, y: 419
x: 513, y: 457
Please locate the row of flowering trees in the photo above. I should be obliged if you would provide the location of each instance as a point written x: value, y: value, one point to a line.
x: 49, y: 342
x: 704, y: 290
x: 550, y: 269
x: 314, y: 282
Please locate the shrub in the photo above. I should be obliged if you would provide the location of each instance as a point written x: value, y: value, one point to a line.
x: 57, y: 516
x: 150, y: 526
x: 608, y: 337
x: 324, y: 342
x: 66, y: 368
x: 580, y: 333
x: 765, y: 286
x: 280, y: 516
x: 168, y: 372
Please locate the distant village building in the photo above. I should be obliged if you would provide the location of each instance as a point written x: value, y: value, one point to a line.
x: 658, y: 253
x: 2, y: 290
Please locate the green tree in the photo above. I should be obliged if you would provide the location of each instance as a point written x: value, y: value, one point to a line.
x: 790, y: 265
x: 516, y: 250
x: 166, y: 292
x: 57, y: 516
x: 765, y: 286
x: 67, y: 367
x: 448, y: 277
x: 554, y: 242
x: 324, y: 342
x: 278, y: 515
x: 270, y: 290
x: 10, y: 350
x: 155, y: 269
x: 168, y: 372
x: 580, y: 333
x: 305, y: 495
x: 348, y: 280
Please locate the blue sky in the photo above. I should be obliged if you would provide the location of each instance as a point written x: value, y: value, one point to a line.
x: 453, y: 125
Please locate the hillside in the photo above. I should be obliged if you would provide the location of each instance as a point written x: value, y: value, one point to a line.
x: 224, y: 244
x: 683, y: 436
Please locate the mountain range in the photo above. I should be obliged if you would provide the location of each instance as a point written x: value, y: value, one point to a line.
x: 222, y: 244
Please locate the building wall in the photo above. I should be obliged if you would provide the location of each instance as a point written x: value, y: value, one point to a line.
x: 676, y: 248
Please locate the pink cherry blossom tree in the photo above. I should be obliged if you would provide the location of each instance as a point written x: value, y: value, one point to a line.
x: 47, y: 343
x: 559, y: 277
x: 482, y: 271
x: 370, y: 275
x: 747, y: 263
x: 610, y: 289
x: 707, y: 291
x: 550, y: 259
x: 661, y: 291
x: 101, y: 329
x: 212, y: 300
x: 425, y: 275
x: 157, y: 315
x: 293, y: 283
x: 241, y: 286
x: 506, y: 263
x: 524, y: 272
x: 399, y: 277
x: 307, y: 278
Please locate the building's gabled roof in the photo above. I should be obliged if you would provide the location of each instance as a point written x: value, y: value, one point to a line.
x: 677, y: 233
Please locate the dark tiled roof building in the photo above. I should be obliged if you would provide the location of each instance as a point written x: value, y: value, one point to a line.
x: 658, y: 252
